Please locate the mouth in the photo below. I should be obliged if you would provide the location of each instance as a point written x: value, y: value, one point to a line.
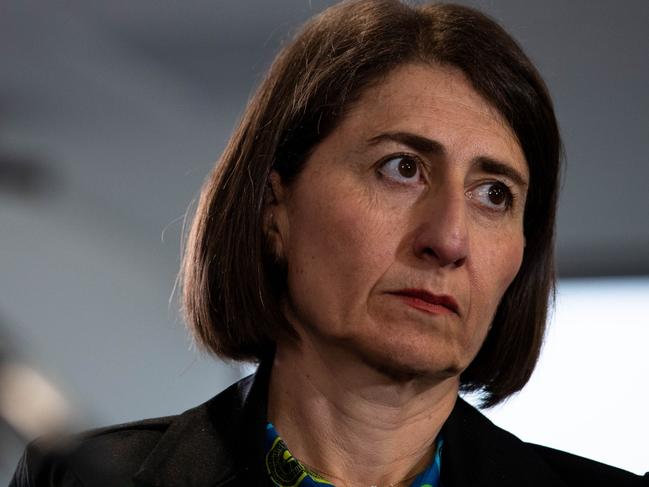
x: 436, y: 304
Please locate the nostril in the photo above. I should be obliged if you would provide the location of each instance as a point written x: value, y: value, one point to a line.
x: 460, y: 262
x: 443, y: 258
x: 429, y: 251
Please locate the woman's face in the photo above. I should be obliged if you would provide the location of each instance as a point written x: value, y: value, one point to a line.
x: 405, y: 227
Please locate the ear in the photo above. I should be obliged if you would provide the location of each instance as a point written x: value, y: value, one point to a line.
x: 275, y: 214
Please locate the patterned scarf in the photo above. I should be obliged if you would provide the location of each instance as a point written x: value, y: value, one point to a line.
x: 285, y: 470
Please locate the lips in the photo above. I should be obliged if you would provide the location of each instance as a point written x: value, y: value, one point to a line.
x: 426, y: 301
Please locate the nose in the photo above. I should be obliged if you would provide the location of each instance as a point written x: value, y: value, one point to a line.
x: 442, y: 234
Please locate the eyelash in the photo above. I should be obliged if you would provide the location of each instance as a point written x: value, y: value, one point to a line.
x: 393, y: 157
x: 509, y: 194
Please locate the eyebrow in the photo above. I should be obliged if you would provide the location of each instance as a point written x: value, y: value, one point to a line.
x: 414, y: 141
x: 492, y: 166
x: 428, y: 146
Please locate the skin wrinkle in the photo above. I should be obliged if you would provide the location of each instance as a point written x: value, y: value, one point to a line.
x: 369, y: 423
x: 375, y: 378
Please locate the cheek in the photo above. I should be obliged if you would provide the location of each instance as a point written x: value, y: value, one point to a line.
x: 340, y: 244
x: 512, y: 260
x: 499, y: 263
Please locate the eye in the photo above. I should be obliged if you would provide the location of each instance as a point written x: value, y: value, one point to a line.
x: 494, y: 195
x: 402, y: 168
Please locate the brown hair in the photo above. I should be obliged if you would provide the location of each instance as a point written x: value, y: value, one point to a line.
x: 232, y: 282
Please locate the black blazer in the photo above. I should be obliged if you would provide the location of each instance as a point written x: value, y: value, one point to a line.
x: 220, y: 443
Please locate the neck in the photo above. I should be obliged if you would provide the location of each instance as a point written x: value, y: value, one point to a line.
x: 357, y: 424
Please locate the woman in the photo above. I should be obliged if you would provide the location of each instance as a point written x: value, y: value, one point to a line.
x: 378, y: 235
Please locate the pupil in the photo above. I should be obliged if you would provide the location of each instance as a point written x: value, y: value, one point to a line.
x: 407, y: 168
x: 496, y: 195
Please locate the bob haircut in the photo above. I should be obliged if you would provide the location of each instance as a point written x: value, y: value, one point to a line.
x: 232, y: 282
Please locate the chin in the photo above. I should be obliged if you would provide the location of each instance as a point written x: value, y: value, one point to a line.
x: 403, y: 345
x: 403, y: 362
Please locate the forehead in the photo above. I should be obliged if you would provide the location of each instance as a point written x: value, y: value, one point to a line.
x: 436, y: 102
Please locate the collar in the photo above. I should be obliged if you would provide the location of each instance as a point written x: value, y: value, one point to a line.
x: 286, y: 470
x: 220, y: 443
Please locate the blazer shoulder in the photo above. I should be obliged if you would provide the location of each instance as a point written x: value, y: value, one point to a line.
x: 112, y: 453
x: 116, y: 455
x: 500, y: 458
x: 576, y: 470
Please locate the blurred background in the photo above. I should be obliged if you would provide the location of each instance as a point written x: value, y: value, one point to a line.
x: 113, y: 112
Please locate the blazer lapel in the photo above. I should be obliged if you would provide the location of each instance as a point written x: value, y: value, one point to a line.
x: 478, y: 453
x: 219, y: 443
